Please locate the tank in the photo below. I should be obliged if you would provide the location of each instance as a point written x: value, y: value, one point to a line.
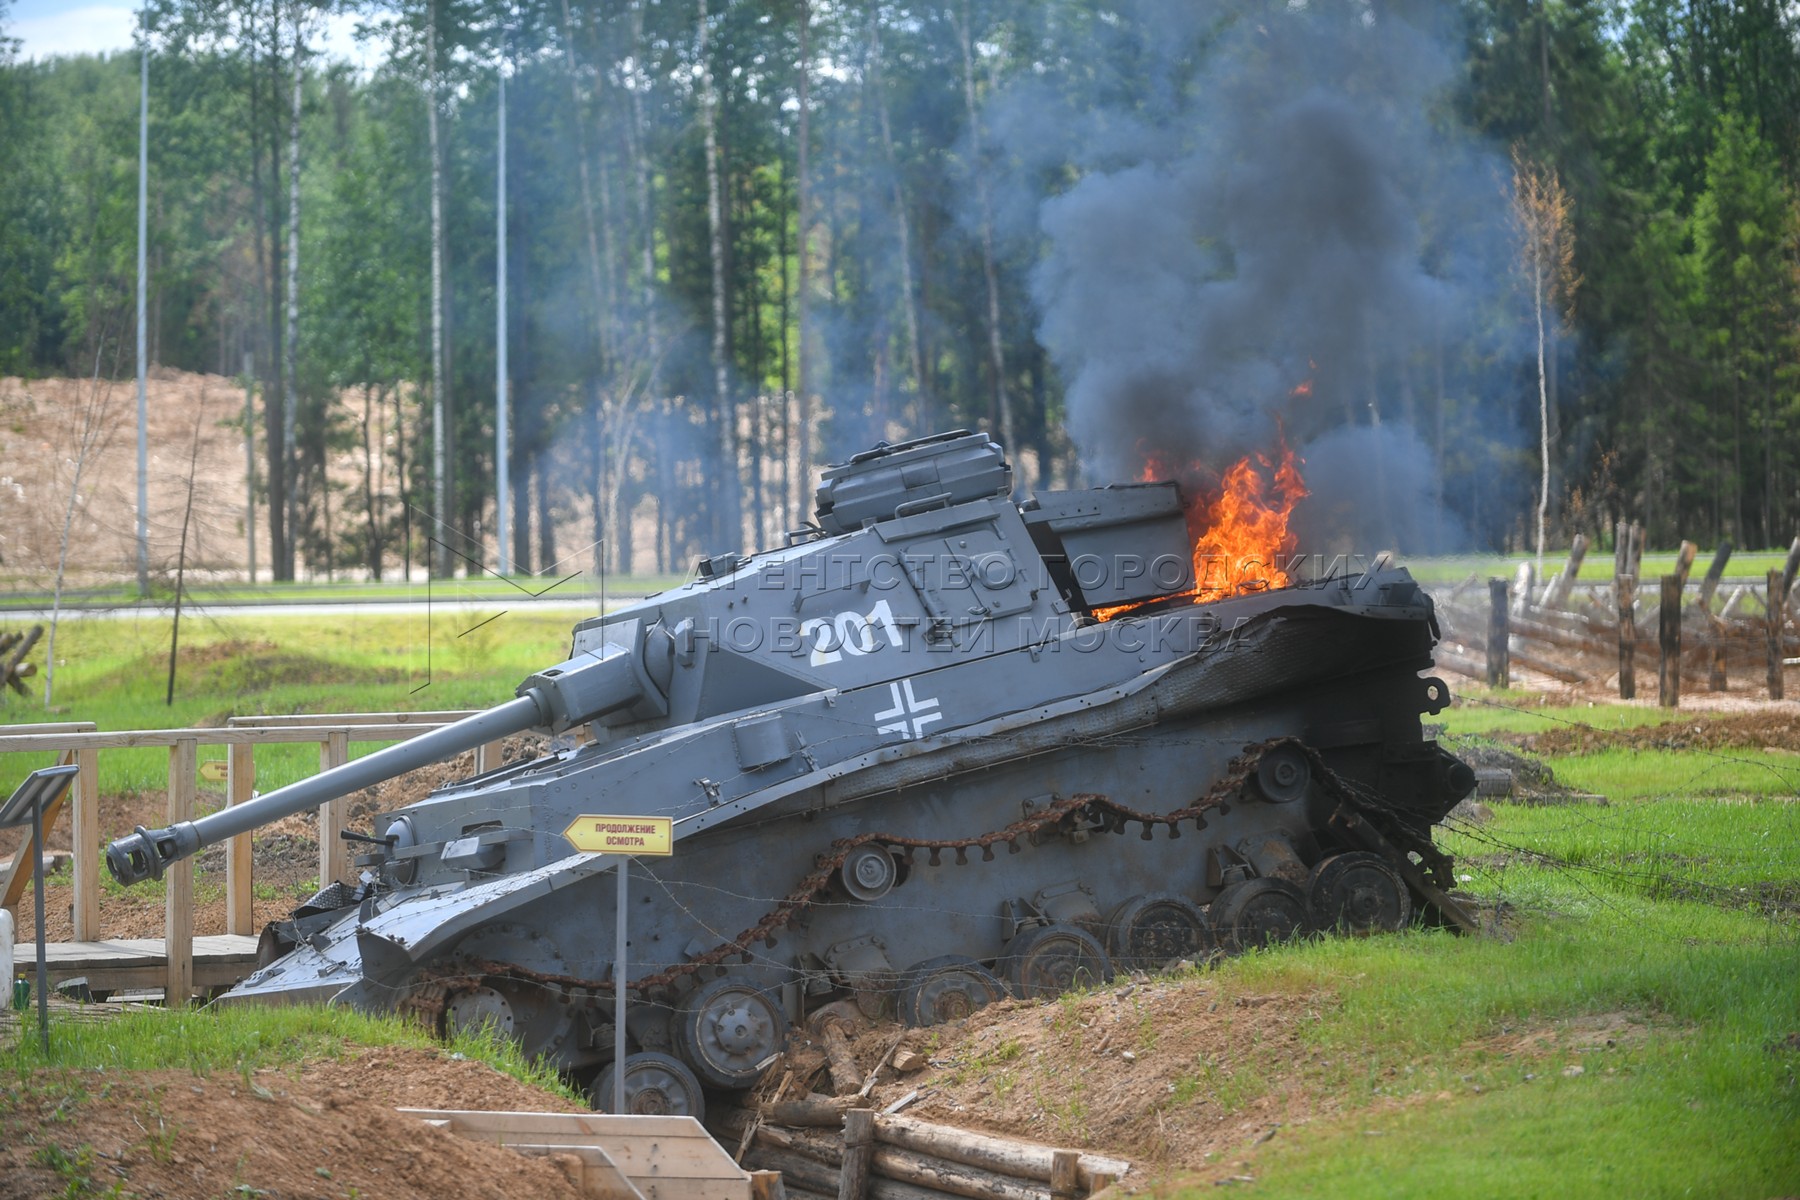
x: 940, y: 747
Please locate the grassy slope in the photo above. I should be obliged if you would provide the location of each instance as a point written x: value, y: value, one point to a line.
x: 1647, y: 907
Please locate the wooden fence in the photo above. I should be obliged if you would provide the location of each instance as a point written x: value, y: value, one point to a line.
x: 81, y: 744
x: 1591, y: 635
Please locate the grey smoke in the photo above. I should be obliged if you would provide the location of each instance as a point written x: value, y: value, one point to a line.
x: 1299, y: 208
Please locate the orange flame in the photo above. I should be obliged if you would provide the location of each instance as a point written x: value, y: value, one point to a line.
x: 1243, y: 530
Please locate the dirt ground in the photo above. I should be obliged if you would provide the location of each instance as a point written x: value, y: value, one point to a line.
x: 1176, y: 1074
x: 1764, y: 729
x: 327, y: 1130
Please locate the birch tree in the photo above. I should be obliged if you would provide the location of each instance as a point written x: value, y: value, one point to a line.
x: 1546, y: 241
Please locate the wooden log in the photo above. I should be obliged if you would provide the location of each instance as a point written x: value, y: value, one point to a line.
x: 1669, y: 642
x: 1684, y: 561
x: 1627, y: 595
x: 1524, y: 587
x: 1003, y: 1156
x: 1634, y: 568
x: 800, y: 1168
x: 1449, y: 660
x: 767, y: 1185
x: 890, y: 1162
x: 1557, y: 594
x: 859, y: 1148
x: 846, y: 1076
x: 10, y: 672
x: 814, y: 1111
x: 1498, y: 674
x: 1621, y: 547
x: 1709, y: 584
x: 1715, y: 678
x: 1772, y: 620
x: 1064, y: 1182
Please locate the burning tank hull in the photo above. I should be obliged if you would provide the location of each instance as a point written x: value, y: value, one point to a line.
x: 907, y: 771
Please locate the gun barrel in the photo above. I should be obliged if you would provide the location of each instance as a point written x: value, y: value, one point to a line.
x: 144, y: 853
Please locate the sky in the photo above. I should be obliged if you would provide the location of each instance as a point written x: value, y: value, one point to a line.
x: 51, y: 27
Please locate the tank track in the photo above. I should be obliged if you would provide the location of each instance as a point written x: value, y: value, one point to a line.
x: 1361, y: 817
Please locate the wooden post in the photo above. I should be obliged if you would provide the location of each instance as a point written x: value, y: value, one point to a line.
x: 487, y: 757
x: 1777, y: 609
x: 859, y: 1149
x: 85, y: 830
x: 1790, y: 570
x: 1524, y: 587
x: 1626, y: 588
x: 767, y: 1185
x: 1499, y: 668
x: 1634, y: 564
x: 1669, y: 641
x: 1557, y: 594
x: 1065, y: 1176
x: 334, y: 860
x: 1710, y: 583
x: 1684, y: 561
x: 846, y: 1077
x: 178, y: 912
x: 240, y: 785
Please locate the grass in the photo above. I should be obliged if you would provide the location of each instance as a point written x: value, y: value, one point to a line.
x: 235, y: 1038
x: 1454, y: 568
x: 1672, y: 910
x: 114, y: 673
x: 34, y: 590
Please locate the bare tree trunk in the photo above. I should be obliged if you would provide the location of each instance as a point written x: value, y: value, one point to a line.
x: 1002, y: 408
x: 903, y: 227
x: 268, y: 264
x: 371, y: 506
x: 290, y: 369
x: 187, y: 516
x: 95, y: 432
x: 1543, y: 509
x: 727, y: 521
x: 440, y: 510
x: 802, y: 222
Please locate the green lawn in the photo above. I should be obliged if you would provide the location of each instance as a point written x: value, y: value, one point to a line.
x: 115, y: 673
x: 1674, y: 909
x: 1454, y: 568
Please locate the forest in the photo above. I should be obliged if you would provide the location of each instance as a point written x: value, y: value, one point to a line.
x: 1479, y: 263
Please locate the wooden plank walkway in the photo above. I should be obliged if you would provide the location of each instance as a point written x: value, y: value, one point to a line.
x: 138, y: 964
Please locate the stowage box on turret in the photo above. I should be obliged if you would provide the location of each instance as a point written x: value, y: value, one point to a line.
x: 907, y: 769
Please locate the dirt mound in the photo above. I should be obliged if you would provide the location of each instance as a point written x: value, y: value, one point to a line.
x: 327, y: 1129
x: 1162, y: 1071
x: 1750, y: 730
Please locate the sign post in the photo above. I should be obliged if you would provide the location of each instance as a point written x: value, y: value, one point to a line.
x: 627, y: 837
x: 27, y: 803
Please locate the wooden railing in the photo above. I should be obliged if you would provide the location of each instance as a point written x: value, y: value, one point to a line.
x: 81, y: 743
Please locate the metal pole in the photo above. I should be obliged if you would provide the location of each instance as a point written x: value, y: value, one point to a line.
x: 618, y: 1096
x: 37, y: 895
x: 250, y: 459
x: 143, y: 444
x: 503, y: 509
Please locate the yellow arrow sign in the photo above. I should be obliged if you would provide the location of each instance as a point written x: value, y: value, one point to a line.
x: 213, y: 770
x: 652, y: 837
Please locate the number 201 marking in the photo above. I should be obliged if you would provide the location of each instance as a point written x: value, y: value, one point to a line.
x: 849, y: 632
